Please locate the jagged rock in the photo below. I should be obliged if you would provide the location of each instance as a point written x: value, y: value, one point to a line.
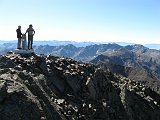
x: 72, y: 82
x: 92, y: 90
x: 43, y: 67
x: 6, y: 63
x: 23, y: 52
x: 3, y: 90
x: 40, y: 87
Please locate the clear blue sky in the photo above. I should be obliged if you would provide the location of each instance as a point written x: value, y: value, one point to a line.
x: 136, y: 21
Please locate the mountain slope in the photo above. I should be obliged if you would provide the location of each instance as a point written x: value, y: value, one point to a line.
x: 84, y: 54
x: 137, y: 61
x: 47, y: 87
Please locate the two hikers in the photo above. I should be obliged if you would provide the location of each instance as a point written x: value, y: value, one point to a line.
x: 21, y: 37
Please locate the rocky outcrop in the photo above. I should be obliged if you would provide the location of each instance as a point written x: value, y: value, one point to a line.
x: 39, y: 87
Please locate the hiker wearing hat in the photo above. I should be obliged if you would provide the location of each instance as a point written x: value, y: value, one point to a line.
x: 31, y: 33
x: 19, y: 36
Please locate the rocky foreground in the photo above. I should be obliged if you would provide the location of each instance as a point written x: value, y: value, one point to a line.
x: 41, y: 87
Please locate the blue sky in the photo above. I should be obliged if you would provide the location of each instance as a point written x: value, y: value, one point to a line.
x: 136, y: 21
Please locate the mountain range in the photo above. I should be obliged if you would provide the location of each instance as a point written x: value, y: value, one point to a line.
x: 11, y: 44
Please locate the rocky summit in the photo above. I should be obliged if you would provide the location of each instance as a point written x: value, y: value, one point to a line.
x: 39, y: 87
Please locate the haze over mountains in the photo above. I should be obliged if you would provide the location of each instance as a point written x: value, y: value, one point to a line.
x: 11, y: 45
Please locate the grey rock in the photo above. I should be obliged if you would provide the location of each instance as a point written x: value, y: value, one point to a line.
x: 3, y: 90
x: 70, y: 91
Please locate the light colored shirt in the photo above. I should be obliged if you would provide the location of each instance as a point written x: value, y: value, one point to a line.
x: 30, y: 31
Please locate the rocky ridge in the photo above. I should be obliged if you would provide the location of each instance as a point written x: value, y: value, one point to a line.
x: 39, y: 87
x: 135, y: 62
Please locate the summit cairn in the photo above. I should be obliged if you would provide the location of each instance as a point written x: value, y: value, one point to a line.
x: 23, y: 49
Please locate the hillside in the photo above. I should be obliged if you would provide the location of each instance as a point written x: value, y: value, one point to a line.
x: 39, y: 87
x: 135, y: 62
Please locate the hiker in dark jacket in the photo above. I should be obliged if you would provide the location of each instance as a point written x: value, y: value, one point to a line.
x: 31, y: 33
x: 19, y: 36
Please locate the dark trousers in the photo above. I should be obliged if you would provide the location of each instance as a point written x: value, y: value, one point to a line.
x: 19, y: 43
x: 30, y: 41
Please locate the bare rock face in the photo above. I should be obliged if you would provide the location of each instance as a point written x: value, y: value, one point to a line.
x: 55, y: 88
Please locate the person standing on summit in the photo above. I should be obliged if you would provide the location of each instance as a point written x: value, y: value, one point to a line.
x: 31, y: 33
x: 19, y: 36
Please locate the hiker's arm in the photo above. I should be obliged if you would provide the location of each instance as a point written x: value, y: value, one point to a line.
x: 34, y: 31
x: 26, y: 31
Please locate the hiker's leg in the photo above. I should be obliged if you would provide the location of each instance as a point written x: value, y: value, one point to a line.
x: 31, y: 42
x: 28, y: 43
x: 30, y: 37
x: 23, y: 44
x: 19, y: 43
